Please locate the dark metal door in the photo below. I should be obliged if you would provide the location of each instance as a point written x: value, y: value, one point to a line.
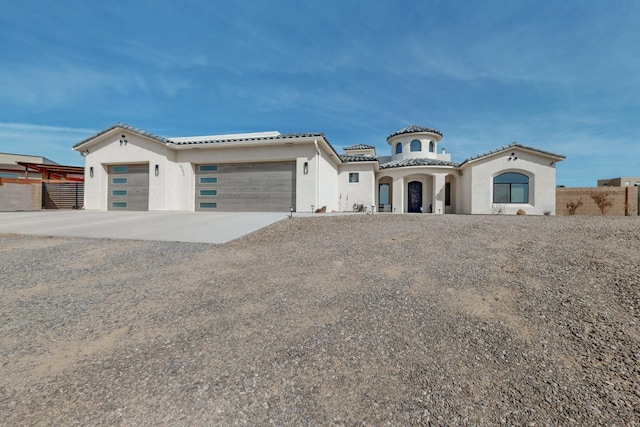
x: 415, y: 196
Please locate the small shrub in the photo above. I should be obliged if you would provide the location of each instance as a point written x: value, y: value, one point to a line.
x: 572, y: 206
x: 603, y: 199
x: 521, y: 212
x: 498, y: 209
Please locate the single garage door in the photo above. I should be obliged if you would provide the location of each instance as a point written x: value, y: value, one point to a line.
x: 128, y: 187
x: 246, y: 187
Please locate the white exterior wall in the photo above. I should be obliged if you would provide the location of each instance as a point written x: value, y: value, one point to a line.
x: 327, y: 183
x: 136, y: 150
x: 542, y: 183
x: 463, y: 195
x: 405, y: 140
x: 363, y: 191
x: 306, y: 188
x: 174, y: 187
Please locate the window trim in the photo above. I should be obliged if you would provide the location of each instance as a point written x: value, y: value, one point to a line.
x: 202, y: 192
x: 118, y: 205
x: 432, y: 146
x: 354, y: 177
x: 119, y: 181
x: 208, y: 205
x: 399, y: 148
x: 416, y: 145
x: 208, y: 168
x: 120, y: 169
x: 122, y: 193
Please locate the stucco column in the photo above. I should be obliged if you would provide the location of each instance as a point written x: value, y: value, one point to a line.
x: 398, y: 195
x: 438, y: 192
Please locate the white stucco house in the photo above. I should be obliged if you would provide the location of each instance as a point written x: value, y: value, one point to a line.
x: 130, y: 169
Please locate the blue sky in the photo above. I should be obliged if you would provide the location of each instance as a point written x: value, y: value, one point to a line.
x: 559, y: 76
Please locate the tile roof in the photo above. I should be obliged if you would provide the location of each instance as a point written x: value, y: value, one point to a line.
x: 359, y: 147
x: 416, y: 162
x: 125, y: 127
x: 347, y: 158
x: 212, y: 141
x: 259, y: 138
x: 507, y: 147
x: 414, y: 129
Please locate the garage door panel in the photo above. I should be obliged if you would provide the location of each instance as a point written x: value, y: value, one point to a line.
x: 250, y: 187
x: 128, y: 187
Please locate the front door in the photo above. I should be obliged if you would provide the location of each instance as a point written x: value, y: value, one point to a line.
x: 415, y: 196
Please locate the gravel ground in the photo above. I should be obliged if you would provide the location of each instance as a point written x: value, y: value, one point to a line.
x: 332, y: 320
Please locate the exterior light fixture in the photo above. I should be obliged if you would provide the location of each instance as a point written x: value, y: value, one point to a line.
x: 305, y: 169
x: 157, y: 170
x: 91, y: 171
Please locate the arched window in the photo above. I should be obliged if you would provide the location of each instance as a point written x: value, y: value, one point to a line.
x: 511, y: 187
x: 398, y: 148
x: 432, y: 147
x: 416, y: 145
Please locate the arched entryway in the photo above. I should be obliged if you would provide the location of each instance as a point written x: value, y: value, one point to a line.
x: 415, y: 196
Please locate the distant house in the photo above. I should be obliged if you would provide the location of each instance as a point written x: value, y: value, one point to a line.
x: 34, y: 182
x: 130, y: 169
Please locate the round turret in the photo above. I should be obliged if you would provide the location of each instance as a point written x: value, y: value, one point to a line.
x: 414, y: 142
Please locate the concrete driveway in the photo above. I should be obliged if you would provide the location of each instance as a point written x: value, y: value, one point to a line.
x: 203, y: 227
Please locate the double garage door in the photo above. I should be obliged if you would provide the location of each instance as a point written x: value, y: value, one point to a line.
x: 128, y: 187
x: 246, y: 187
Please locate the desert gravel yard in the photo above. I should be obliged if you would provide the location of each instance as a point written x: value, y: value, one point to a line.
x: 328, y: 320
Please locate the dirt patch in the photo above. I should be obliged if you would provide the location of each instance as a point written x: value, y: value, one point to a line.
x: 355, y: 320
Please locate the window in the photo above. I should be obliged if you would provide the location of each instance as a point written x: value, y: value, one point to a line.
x: 208, y: 192
x: 416, y: 145
x: 9, y: 175
x: 398, y: 148
x: 354, y: 177
x: 447, y: 194
x: 208, y: 205
x: 511, y: 187
x: 120, y: 169
x: 209, y: 180
x: 432, y: 147
x: 205, y: 168
x: 118, y: 204
x: 118, y: 192
x: 119, y: 180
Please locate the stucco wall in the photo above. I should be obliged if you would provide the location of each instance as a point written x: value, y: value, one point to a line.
x: 539, y: 169
x: 364, y: 190
x: 136, y: 150
x: 405, y: 141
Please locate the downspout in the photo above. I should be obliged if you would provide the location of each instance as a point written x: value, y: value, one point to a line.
x: 317, y: 205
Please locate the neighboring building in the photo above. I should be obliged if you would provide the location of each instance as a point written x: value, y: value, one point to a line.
x: 130, y: 169
x: 619, y: 182
x: 35, y: 182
